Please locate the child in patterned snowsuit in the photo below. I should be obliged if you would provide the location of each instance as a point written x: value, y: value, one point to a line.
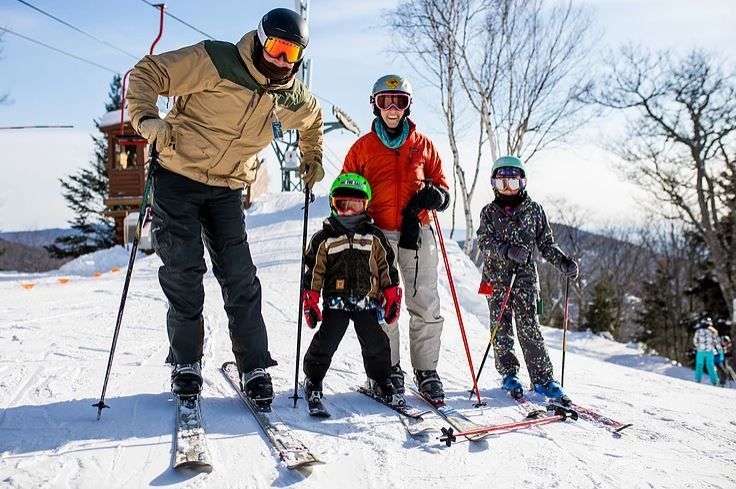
x: 511, y: 227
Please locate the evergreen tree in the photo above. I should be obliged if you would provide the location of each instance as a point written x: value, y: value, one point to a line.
x: 85, y: 192
x: 600, y: 312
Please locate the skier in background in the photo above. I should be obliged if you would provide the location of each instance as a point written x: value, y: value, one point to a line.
x: 726, y: 372
x: 351, y: 262
x: 707, y: 345
x: 232, y: 101
x: 511, y: 227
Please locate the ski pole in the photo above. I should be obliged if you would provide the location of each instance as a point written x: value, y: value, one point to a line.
x: 564, y: 330
x: 560, y: 414
x: 495, y: 328
x: 308, y: 198
x: 142, y: 215
x: 457, y: 306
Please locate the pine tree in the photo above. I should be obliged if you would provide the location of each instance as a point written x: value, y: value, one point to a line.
x: 85, y: 192
x: 600, y: 312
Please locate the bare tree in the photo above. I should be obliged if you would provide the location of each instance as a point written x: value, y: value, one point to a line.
x: 516, y: 61
x: 681, y: 145
x: 426, y: 38
x: 521, y: 73
x: 4, y: 97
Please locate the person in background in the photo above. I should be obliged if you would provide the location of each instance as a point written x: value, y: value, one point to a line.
x: 707, y: 345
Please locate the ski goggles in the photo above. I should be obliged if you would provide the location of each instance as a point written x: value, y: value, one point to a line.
x: 387, y: 100
x: 276, y: 47
x: 349, y: 206
x: 508, y: 178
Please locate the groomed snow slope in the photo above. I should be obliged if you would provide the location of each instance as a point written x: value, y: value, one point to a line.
x: 54, y: 342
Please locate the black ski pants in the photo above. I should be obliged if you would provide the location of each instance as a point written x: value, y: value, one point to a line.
x: 373, y: 344
x: 186, y: 216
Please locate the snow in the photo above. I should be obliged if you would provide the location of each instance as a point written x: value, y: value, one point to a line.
x: 54, y: 343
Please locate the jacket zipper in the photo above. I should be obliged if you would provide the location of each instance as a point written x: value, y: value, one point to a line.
x: 398, y: 189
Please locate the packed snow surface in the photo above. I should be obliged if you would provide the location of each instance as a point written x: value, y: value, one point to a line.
x: 55, y: 338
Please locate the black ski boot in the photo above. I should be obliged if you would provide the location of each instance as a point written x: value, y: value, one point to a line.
x: 385, y: 390
x: 430, y: 385
x: 313, y: 393
x: 312, y: 390
x: 257, y: 386
x: 397, y: 378
x: 186, y: 379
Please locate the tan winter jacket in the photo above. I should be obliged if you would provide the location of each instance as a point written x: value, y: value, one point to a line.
x: 224, y: 110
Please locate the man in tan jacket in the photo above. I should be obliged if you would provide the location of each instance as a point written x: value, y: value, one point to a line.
x: 232, y: 100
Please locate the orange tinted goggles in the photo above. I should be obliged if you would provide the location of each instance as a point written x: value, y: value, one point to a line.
x: 349, y: 206
x: 276, y: 47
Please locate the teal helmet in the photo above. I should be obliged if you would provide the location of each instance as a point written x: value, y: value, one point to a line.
x: 508, y: 162
x: 350, y: 185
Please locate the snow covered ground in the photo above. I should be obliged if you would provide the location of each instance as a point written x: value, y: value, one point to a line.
x: 54, y: 341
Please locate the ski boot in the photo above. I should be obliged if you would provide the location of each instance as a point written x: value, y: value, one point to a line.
x: 554, y: 391
x: 312, y: 390
x: 186, y: 379
x: 257, y: 386
x: 512, y: 384
x: 385, y: 390
x: 397, y: 378
x: 430, y: 385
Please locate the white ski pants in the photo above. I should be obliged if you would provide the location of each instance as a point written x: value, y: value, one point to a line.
x: 425, y: 321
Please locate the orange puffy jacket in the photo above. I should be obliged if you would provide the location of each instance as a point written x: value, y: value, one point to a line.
x: 395, y: 175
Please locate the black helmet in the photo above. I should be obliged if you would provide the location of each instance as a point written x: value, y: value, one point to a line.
x: 285, y: 24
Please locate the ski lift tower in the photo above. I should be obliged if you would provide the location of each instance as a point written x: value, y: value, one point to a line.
x: 287, y: 149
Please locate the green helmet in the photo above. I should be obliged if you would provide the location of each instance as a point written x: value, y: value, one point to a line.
x: 508, y: 162
x: 350, y: 185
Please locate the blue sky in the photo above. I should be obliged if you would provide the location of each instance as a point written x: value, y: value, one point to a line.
x: 349, y: 51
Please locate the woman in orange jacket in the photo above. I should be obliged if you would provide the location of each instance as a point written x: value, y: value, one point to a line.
x: 405, y: 174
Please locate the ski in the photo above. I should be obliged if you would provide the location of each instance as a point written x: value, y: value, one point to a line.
x: 290, y: 449
x: 457, y: 420
x: 596, y: 418
x: 190, y: 443
x: 410, y: 416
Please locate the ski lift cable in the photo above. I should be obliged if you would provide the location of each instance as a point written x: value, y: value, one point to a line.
x: 78, y: 29
x: 60, y: 51
x: 180, y: 20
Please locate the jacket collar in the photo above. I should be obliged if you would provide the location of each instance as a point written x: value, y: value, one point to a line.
x: 245, y: 46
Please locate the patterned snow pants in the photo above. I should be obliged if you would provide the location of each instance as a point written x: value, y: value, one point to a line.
x: 522, y: 306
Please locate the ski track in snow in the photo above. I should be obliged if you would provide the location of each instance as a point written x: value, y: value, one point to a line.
x: 54, y: 342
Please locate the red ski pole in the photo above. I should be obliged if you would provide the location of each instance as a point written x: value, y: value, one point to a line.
x: 457, y: 306
x: 561, y: 414
x: 564, y: 329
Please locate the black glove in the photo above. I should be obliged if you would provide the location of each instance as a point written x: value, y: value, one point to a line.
x: 432, y: 197
x: 569, y: 268
x: 517, y: 253
x: 411, y: 227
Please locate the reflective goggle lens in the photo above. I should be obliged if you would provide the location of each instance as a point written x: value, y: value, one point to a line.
x: 512, y: 183
x: 275, y: 47
x: 399, y: 101
x: 348, y: 205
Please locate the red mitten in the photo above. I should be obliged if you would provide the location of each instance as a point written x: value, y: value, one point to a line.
x: 312, y: 314
x: 392, y: 304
